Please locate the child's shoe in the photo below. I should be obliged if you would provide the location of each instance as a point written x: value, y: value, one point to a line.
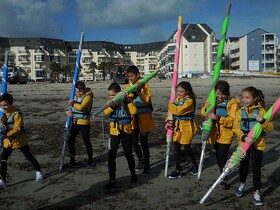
x: 39, y: 176
x: 257, y: 198
x: 134, y: 178
x: 2, y: 184
x: 194, y: 169
x: 140, y: 166
x: 175, y: 175
x: 240, y: 190
x: 223, y: 184
x: 111, y: 184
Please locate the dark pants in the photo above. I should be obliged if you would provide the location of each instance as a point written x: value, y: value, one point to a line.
x: 143, y: 152
x: 126, y: 140
x: 256, y: 167
x: 177, y: 154
x: 85, y: 131
x: 27, y: 154
x: 221, y: 154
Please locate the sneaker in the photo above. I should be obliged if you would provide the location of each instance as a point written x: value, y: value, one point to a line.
x: 140, y: 166
x: 257, y: 198
x: 39, y: 176
x: 174, y: 175
x: 240, y: 190
x: 111, y: 184
x: 223, y: 184
x: 194, y: 169
x: 91, y: 164
x: 2, y: 184
x: 145, y: 171
x: 134, y: 178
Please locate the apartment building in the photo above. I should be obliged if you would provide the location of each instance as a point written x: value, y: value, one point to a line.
x: 255, y: 51
x: 196, y: 50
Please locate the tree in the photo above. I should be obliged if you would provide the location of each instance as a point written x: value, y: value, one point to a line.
x: 55, y: 70
x: 105, y: 67
x: 92, y: 67
x: 66, y: 69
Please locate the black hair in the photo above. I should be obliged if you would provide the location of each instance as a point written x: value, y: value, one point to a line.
x: 257, y: 95
x: 187, y: 87
x: 132, y: 69
x: 7, y: 97
x: 80, y: 85
x: 115, y: 87
x: 223, y: 86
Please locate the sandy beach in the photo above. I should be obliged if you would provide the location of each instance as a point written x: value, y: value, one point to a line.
x: 43, y: 106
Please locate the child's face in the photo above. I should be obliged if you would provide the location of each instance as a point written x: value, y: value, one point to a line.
x: 220, y: 96
x: 181, y: 92
x: 247, y: 99
x: 111, y: 94
x: 79, y: 93
x: 5, y: 106
x: 133, y: 78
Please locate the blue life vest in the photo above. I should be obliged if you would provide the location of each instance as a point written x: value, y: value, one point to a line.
x: 10, y: 122
x: 121, y: 115
x: 142, y: 107
x: 247, y: 123
x: 188, y: 116
x: 79, y: 114
x: 222, y: 108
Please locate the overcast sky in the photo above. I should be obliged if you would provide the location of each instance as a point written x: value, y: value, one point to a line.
x: 131, y: 21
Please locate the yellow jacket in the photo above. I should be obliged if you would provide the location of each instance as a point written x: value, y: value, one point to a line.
x: 115, y: 127
x: 143, y: 121
x: 221, y: 131
x: 85, y: 106
x: 16, y: 136
x: 184, y: 130
x: 267, y: 126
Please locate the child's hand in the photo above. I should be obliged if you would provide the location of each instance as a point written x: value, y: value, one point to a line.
x: 69, y: 113
x: 207, y: 104
x: 213, y: 116
x: 71, y: 103
x: 248, y: 140
x: 114, y: 106
x: 260, y: 119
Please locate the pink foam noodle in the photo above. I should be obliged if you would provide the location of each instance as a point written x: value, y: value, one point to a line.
x: 169, y: 133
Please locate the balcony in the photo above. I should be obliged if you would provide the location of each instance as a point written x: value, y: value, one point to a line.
x: 23, y: 52
x: 24, y: 60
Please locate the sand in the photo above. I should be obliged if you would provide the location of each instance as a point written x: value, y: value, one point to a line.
x: 43, y: 106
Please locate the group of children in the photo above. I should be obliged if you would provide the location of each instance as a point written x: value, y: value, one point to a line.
x: 131, y: 121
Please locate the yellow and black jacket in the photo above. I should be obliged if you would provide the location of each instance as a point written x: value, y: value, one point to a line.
x: 117, y: 122
x: 143, y: 119
x: 183, y: 114
x: 15, y: 134
x: 222, y: 129
x: 249, y: 118
x: 82, y: 108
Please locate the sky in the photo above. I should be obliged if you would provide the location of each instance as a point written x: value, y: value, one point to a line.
x: 131, y: 21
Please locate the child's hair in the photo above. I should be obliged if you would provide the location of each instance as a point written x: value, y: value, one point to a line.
x: 115, y: 87
x: 7, y: 97
x: 257, y: 95
x: 187, y: 87
x: 223, y: 86
x: 80, y: 85
x: 132, y: 69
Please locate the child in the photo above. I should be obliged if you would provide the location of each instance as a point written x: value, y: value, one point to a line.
x: 221, y: 135
x: 143, y: 120
x: 246, y: 117
x: 120, y: 131
x: 81, y: 108
x: 15, y: 138
x: 183, y: 110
